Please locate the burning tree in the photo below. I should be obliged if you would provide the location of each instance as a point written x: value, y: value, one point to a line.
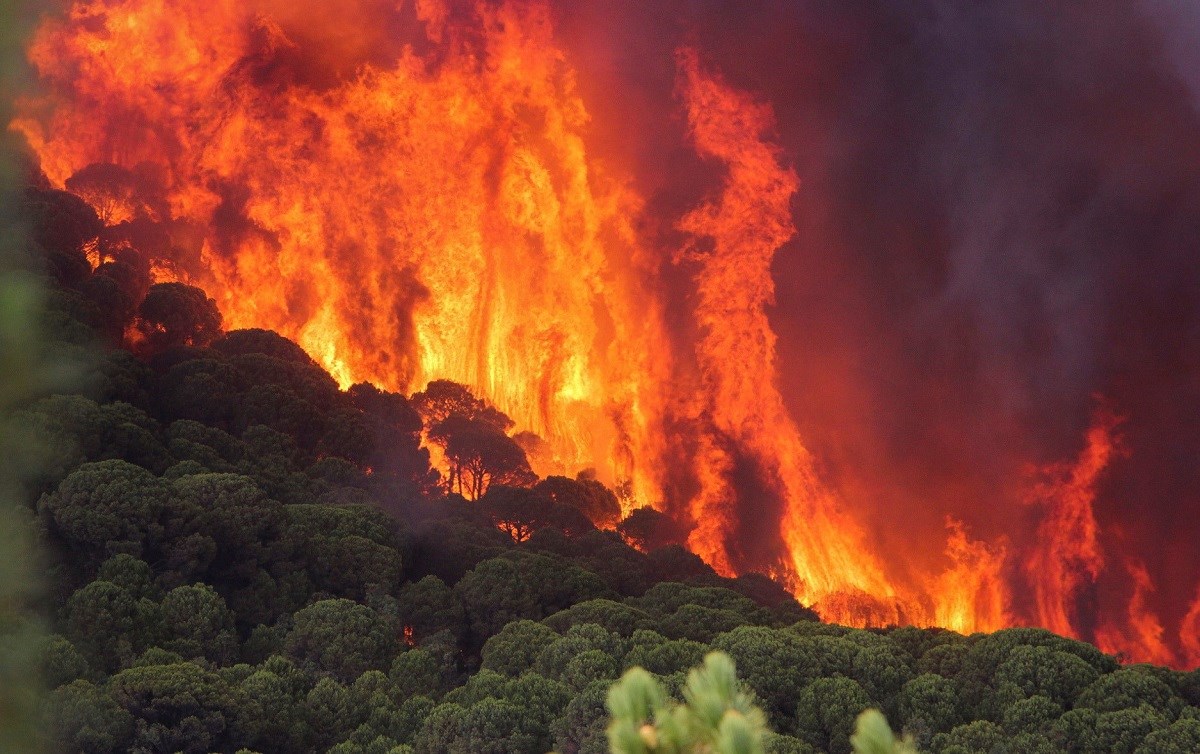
x: 479, y: 455
x: 473, y: 437
x: 174, y: 314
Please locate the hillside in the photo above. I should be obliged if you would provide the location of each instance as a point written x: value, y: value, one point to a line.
x: 243, y: 556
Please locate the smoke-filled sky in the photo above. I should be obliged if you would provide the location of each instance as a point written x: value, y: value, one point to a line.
x: 1179, y: 23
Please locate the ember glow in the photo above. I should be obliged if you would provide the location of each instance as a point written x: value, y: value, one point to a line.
x: 466, y: 191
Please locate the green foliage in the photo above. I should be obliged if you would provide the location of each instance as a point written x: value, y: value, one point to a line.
x: 131, y: 574
x: 109, y: 508
x: 110, y: 625
x: 178, y: 707
x: 589, y: 666
x: 979, y: 735
x: 1181, y: 737
x: 717, y: 716
x: 872, y: 735
x: 580, y: 728
x: 578, y: 640
x: 666, y: 657
x: 615, y: 616
x: 776, y: 664
x: 327, y: 712
x: 198, y: 624
x: 74, y: 429
x: 270, y: 718
x: 341, y: 637
x: 1127, y: 688
x: 1034, y: 713
x: 429, y: 606
x: 930, y: 702
x: 62, y: 662
x: 826, y: 710
x: 87, y: 719
x: 1041, y: 670
x: 516, y: 647
x: 518, y: 586
x: 417, y: 673
x: 882, y: 668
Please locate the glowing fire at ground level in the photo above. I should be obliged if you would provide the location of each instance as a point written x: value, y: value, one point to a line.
x: 440, y: 214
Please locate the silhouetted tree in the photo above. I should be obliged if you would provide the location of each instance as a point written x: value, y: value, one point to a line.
x: 174, y: 314
x: 61, y: 224
x: 391, y: 436
x: 520, y: 513
x: 451, y: 547
x: 110, y: 189
x: 480, y: 455
x: 114, y: 304
x: 648, y: 529
x: 589, y: 496
x: 442, y: 399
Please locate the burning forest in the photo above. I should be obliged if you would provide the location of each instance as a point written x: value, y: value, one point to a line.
x: 893, y: 302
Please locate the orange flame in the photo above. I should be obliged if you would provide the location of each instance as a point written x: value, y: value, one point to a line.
x: 972, y: 595
x: 1189, y: 633
x: 1068, y: 553
x: 1142, y: 639
x: 736, y: 349
x: 415, y: 222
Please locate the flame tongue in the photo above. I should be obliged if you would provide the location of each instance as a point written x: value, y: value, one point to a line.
x: 735, y: 352
x: 1068, y: 553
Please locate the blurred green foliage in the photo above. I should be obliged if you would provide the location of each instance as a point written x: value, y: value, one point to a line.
x: 717, y: 716
x: 23, y: 371
x: 873, y: 735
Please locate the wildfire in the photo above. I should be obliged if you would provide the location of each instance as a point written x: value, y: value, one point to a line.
x: 1143, y: 638
x: 972, y: 595
x: 430, y: 206
x: 736, y: 350
x: 1189, y: 634
x: 419, y: 221
x: 1068, y: 552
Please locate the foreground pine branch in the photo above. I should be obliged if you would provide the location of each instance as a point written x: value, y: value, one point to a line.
x: 716, y: 717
